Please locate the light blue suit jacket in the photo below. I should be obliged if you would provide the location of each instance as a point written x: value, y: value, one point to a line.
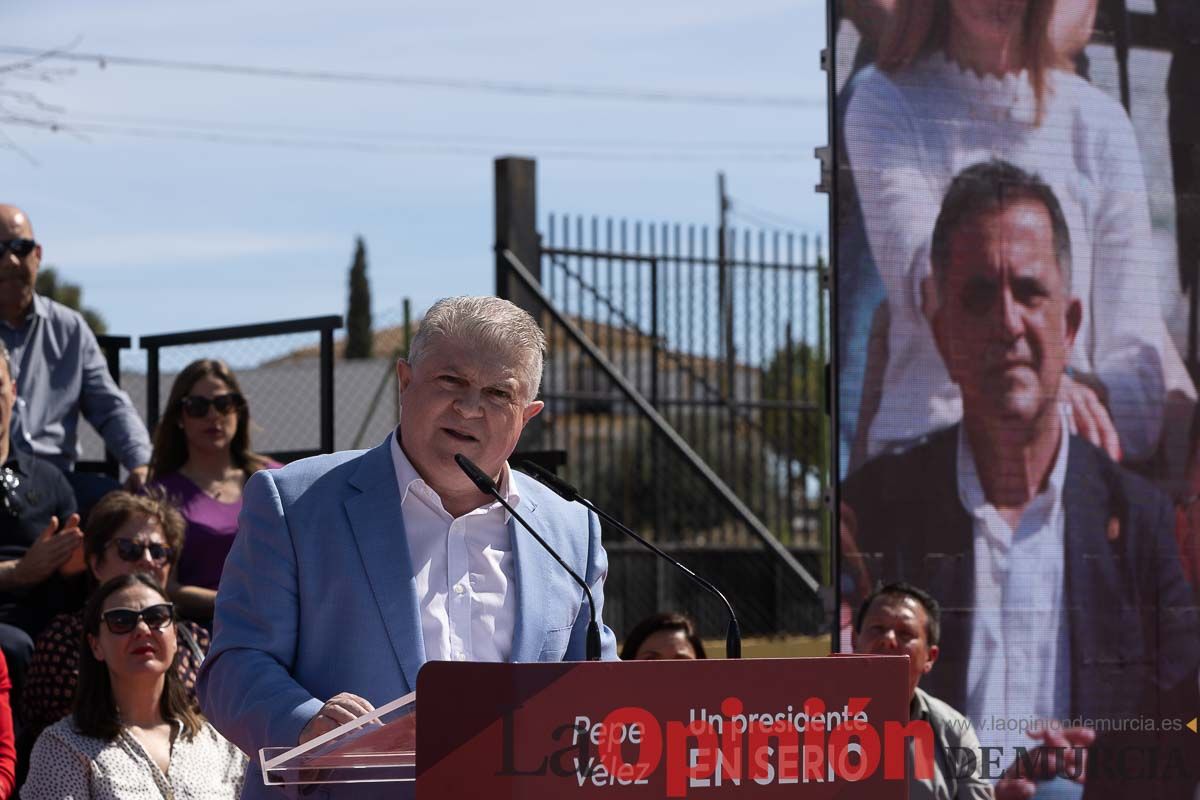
x: 318, y: 597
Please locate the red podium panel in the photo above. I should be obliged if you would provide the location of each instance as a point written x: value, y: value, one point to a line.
x: 654, y: 729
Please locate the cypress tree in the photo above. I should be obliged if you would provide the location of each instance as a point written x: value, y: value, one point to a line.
x: 359, y: 341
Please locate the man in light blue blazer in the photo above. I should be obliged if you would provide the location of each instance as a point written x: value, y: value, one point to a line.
x: 352, y: 570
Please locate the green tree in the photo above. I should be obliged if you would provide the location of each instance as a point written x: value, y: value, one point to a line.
x: 798, y: 429
x: 359, y: 340
x: 70, y: 295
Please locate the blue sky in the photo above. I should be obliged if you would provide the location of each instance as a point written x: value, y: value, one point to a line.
x: 169, y: 234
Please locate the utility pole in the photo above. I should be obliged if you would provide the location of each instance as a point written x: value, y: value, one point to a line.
x: 725, y: 285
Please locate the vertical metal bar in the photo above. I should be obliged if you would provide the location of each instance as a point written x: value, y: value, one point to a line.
x: 152, y: 378
x: 327, y: 390
x: 629, y: 429
x: 789, y: 433
x: 607, y: 347
x: 678, y: 345
x: 763, y: 358
x: 593, y: 445
x: 776, y: 352
x: 655, y: 344
x: 688, y: 341
x: 819, y: 414
x: 112, y: 357
x: 791, y: 316
x: 553, y: 268
x: 801, y: 335
x: 731, y: 365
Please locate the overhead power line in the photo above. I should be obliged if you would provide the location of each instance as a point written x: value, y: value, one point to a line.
x: 495, y: 140
x: 528, y: 89
x: 361, y: 146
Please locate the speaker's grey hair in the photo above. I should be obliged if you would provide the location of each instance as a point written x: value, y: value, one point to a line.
x: 488, y: 322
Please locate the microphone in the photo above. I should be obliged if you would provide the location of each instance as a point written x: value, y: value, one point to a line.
x: 488, y: 486
x: 733, y: 633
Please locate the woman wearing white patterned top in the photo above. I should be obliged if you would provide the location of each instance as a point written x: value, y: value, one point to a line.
x: 133, y: 733
x: 965, y: 82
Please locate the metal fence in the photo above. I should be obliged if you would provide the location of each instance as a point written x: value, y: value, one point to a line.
x: 684, y: 388
x: 283, y: 373
x: 185, y: 346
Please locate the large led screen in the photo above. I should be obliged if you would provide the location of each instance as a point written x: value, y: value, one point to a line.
x: 1016, y: 249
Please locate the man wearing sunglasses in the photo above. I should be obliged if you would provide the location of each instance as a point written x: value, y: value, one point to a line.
x: 60, y: 371
x: 351, y: 570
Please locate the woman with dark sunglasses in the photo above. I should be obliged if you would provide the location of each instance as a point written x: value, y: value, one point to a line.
x: 126, y: 534
x: 133, y: 732
x: 202, y: 458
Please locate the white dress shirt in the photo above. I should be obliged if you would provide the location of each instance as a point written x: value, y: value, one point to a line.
x: 463, y: 568
x: 1017, y: 672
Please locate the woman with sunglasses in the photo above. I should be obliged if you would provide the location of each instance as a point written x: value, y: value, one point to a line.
x: 202, y: 459
x: 126, y: 534
x: 133, y: 732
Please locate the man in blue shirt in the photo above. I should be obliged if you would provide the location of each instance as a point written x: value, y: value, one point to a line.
x: 59, y: 368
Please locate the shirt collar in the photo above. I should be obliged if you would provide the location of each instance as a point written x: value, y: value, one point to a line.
x: 407, y: 476
x: 41, y: 306
x: 970, y: 490
x: 918, y: 708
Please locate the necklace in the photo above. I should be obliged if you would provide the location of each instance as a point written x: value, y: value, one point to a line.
x: 223, y: 489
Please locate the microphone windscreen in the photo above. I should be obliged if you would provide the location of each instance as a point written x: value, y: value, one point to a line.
x: 477, y: 476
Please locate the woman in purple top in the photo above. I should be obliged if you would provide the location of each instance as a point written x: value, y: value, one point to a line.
x: 202, y: 458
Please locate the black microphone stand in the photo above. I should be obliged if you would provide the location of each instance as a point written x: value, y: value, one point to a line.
x: 488, y: 486
x: 733, y: 633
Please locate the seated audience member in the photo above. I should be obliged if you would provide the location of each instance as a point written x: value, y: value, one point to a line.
x: 126, y: 533
x: 1063, y: 587
x: 663, y: 636
x: 60, y: 372
x: 202, y: 459
x: 39, y: 542
x: 8, y: 753
x: 996, y: 72
x: 133, y: 732
x: 902, y: 620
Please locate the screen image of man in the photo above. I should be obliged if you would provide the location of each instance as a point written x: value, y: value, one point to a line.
x: 351, y: 570
x: 1060, y: 581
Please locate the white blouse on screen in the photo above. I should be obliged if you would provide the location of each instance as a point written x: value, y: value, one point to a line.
x: 910, y: 132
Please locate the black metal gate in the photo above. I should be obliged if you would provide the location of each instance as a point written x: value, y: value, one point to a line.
x: 684, y: 383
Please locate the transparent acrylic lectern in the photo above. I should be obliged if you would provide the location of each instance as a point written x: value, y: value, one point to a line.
x: 378, y: 747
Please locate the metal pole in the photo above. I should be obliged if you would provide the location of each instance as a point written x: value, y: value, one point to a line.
x: 327, y: 390
x: 152, y: 388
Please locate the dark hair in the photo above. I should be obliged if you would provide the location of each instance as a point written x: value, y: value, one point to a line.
x: 991, y: 186
x: 95, y: 710
x: 170, y: 444
x: 664, y: 621
x: 898, y: 591
x: 117, y: 508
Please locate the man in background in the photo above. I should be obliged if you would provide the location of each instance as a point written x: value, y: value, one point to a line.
x: 60, y: 371
x: 902, y: 620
